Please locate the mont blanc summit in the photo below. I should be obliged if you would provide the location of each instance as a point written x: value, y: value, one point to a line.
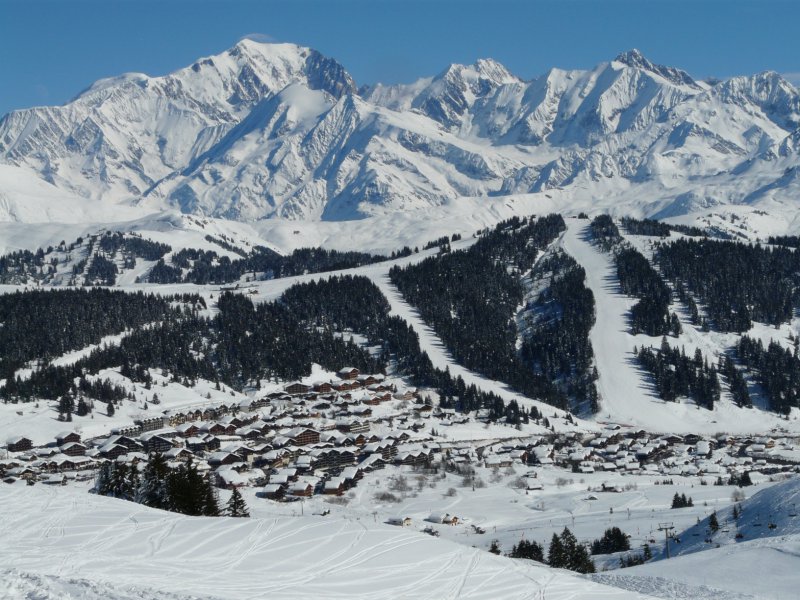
x: 278, y: 130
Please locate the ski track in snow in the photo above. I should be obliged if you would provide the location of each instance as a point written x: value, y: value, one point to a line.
x: 440, y: 356
x: 135, y: 552
x: 626, y: 395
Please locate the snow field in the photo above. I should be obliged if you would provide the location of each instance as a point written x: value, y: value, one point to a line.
x: 75, y: 535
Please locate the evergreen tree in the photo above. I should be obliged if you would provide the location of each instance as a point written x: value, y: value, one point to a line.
x: 713, y: 524
x: 494, y: 548
x: 613, y: 540
x: 236, y: 505
x: 556, y: 557
x: 528, y: 549
x: 153, y: 489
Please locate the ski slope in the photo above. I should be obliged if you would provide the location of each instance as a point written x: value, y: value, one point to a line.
x: 763, y: 563
x: 58, y: 540
x: 625, y: 395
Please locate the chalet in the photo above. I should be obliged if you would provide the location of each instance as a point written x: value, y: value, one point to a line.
x: 181, y: 454
x: 703, y: 449
x: 273, y: 491
x: 323, y: 387
x: 73, y: 449
x: 113, y: 451
x: 157, y: 443
x: 303, y: 436
x: 187, y: 430
x: 249, y: 433
x: 334, y: 486
x: 123, y: 440
x: 25, y: 472
x: 404, y: 395
x: 385, y: 449
x: 73, y: 463
x: 289, y: 474
x: 348, y: 373
x: 19, y: 444
x: 296, y: 388
x: 194, y: 415
x: 65, y: 437
x: 362, y: 412
x: 412, y: 457
x: 223, y: 458
x: 498, y: 461
x: 60, y: 479
x: 358, y: 439
x: 443, y: 519
x: 353, y: 474
x: 335, y: 458
x: 373, y: 462
x: 302, y: 489
x: 367, y: 380
x: 214, y: 428
x: 229, y: 478
x: 532, y: 484
x: 399, y: 521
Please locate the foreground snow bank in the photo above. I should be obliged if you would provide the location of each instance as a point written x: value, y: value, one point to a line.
x: 66, y: 543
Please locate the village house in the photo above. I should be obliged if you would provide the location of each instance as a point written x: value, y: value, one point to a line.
x: 348, y: 373
x: 73, y: 449
x: 296, y: 388
x: 65, y: 437
x: 19, y: 444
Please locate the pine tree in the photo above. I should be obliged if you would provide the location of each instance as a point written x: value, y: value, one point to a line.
x: 210, y: 502
x: 555, y: 555
x: 236, y: 505
x: 110, y: 410
x: 528, y: 549
x: 494, y: 548
x: 647, y: 554
x: 102, y: 482
x: 153, y: 490
x: 713, y: 524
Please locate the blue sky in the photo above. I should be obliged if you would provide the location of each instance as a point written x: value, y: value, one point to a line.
x: 52, y: 49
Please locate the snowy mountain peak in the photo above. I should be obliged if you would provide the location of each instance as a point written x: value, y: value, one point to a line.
x: 265, y: 129
x: 321, y: 72
x: 634, y: 58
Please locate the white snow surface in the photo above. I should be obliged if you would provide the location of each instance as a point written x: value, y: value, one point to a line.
x: 67, y: 543
x: 280, y: 131
x: 625, y: 396
x: 762, y: 564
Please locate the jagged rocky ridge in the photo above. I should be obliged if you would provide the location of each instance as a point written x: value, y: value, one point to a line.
x: 277, y: 130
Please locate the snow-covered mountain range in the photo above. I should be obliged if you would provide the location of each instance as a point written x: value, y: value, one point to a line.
x: 278, y: 130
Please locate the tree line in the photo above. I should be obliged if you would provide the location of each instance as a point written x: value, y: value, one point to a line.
x: 557, y: 346
x: 738, y: 283
x: 675, y: 374
x: 776, y: 369
x: 470, y: 298
x: 180, y: 489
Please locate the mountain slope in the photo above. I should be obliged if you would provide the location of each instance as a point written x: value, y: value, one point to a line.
x: 101, y: 540
x: 277, y: 130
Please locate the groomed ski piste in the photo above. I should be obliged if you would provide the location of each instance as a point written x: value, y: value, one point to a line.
x: 625, y: 395
x: 69, y: 544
